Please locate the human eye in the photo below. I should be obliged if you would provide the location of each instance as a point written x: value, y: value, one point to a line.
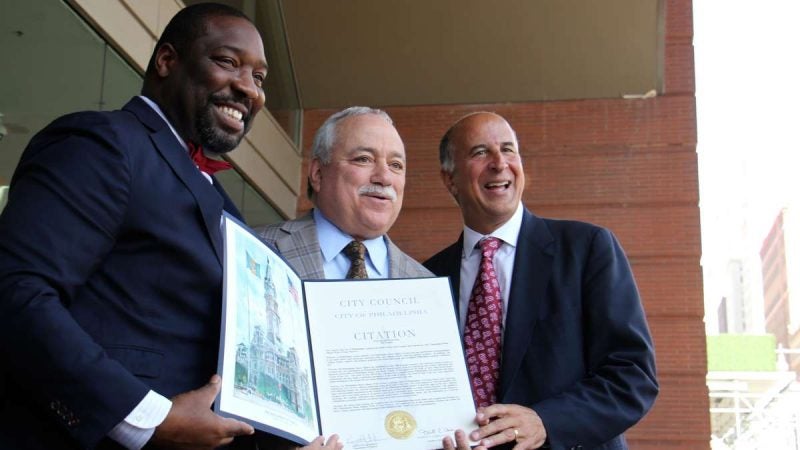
x: 259, y: 78
x: 397, y: 166
x: 509, y: 149
x: 362, y: 159
x: 225, y: 61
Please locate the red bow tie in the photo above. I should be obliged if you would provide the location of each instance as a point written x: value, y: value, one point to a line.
x: 204, y: 163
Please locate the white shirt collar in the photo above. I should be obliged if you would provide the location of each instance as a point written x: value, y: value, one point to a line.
x: 158, y: 111
x: 332, y: 240
x: 508, y: 233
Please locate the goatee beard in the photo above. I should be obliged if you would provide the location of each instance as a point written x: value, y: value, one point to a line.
x: 214, y: 139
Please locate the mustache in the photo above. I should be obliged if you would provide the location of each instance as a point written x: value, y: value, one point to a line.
x: 234, y: 98
x: 377, y: 189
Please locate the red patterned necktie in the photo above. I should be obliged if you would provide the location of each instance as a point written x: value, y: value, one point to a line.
x: 483, y: 328
x: 203, y: 162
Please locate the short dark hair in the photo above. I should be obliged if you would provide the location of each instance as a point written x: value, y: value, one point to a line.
x: 189, y: 24
x: 446, y: 151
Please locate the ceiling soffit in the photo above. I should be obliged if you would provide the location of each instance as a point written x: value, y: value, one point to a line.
x: 416, y: 52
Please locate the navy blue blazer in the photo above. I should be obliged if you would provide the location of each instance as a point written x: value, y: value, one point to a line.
x: 576, y: 346
x: 110, y: 277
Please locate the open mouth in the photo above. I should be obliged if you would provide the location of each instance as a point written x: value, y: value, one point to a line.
x: 497, y: 185
x: 231, y: 117
x: 232, y: 113
x: 377, y: 196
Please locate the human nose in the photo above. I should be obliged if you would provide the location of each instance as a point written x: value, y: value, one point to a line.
x: 246, y: 84
x: 381, y: 174
x: 498, y: 161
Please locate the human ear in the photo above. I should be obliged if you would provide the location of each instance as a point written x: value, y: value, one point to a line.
x: 166, y: 57
x: 447, y: 180
x: 315, y: 174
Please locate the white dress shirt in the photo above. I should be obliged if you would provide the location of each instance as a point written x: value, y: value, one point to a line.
x: 503, y: 262
x: 335, y: 263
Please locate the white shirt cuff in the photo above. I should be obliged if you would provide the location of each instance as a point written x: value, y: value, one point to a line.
x: 139, y: 426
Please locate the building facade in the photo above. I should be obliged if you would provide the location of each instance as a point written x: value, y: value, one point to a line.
x: 627, y: 162
x: 780, y: 256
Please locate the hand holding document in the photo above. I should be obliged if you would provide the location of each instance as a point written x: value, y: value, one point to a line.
x: 378, y: 362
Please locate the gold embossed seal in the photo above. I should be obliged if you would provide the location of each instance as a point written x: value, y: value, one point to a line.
x: 400, y: 424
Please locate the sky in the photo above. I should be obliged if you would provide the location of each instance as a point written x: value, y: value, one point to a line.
x: 747, y: 71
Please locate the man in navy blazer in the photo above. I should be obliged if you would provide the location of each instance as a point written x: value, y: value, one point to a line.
x: 577, y: 366
x: 111, y: 251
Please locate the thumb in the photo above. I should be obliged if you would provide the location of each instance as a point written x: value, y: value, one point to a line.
x: 210, y: 391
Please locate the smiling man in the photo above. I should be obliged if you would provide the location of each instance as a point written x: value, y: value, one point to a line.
x: 356, y: 179
x: 356, y: 176
x: 110, y: 256
x: 557, y: 346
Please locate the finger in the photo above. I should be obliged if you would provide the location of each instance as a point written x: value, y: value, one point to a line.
x: 525, y: 444
x: 447, y: 443
x: 496, y: 410
x: 492, y: 428
x: 333, y: 441
x: 498, y: 436
x: 508, y: 434
x: 210, y: 391
x: 233, y: 427
x: 318, y: 442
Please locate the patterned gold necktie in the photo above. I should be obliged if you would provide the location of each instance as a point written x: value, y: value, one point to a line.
x: 356, y: 251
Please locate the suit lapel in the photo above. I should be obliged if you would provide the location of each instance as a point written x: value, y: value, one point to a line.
x: 453, y: 263
x: 300, y: 247
x: 208, y: 199
x: 447, y: 263
x: 533, y: 266
x: 398, y: 266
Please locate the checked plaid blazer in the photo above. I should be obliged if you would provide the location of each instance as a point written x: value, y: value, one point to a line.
x: 297, y: 241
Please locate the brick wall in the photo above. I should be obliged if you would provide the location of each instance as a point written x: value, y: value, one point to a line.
x: 629, y: 165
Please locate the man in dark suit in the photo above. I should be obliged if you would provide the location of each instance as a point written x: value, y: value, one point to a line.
x: 110, y: 256
x: 357, y: 176
x: 577, y: 365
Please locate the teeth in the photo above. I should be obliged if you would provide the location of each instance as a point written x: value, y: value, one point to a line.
x: 497, y: 184
x: 230, y: 112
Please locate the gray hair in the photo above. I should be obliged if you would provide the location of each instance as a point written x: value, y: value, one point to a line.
x: 326, y: 135
x: 446, y: 148
x: 325, y: 138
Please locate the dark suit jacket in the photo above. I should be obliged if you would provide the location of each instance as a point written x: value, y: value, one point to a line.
x: 576, y: 347
x: 110, y: 277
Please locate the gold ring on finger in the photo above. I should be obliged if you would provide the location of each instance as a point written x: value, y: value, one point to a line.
x: 516, y: 434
